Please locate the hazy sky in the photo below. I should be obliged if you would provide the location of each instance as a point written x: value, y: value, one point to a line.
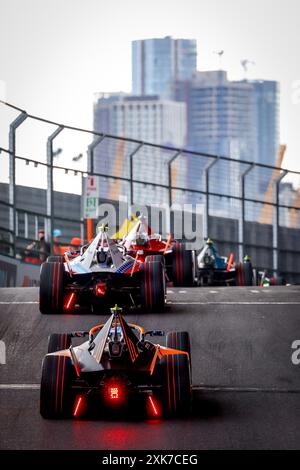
x: 54, y: 54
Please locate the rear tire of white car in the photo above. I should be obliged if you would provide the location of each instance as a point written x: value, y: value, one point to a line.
x: 51, y: 288
x: 153, y: 286
x: 152, y: 258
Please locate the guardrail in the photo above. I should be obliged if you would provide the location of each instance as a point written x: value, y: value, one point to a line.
x: 227, y: 188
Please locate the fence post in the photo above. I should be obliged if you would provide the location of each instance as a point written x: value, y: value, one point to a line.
x: 90, y: 152
x: 50, y: 205
x: 12, y: 174
x: 206, y: 212
x: 172, y: 159
x: 242, y: 221
x: 91, y: 169
x: 276, y: 184
x: 131, y: 170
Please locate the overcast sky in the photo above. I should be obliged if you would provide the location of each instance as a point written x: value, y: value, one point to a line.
x: 54, y: 54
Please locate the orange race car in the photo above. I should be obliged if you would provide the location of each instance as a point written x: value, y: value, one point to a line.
x: 117, y: 369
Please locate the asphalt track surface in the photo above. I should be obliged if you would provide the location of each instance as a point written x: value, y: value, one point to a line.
x: 246, y: 389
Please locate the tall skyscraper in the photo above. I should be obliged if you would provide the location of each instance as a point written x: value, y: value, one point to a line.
x: 146, y: 118
x: 267, y: 119
x: 266, y: 94
x: 221, y: 114
x: 156, y: 63
x: 221, y: 121
x: 238, y: 119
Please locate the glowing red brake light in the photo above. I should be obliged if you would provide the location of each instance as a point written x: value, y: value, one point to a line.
x: 70, y: 301
x: 77, y: 406
x: 80, y: 406
x: 114, y: 393
x: 100, y: 289
x: 153, y: 407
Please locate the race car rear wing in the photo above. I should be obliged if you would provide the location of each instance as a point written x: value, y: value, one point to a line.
x: 130, y: 338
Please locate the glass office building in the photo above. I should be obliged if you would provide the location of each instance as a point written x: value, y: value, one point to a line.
x: 148, y: 119
x: 266, y: 94
x: 237, y: 119
x: 156, y: 63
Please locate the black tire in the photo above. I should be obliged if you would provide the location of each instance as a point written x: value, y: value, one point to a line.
x: 159, y: 258
x: 51, y: 288
x: 244, y: 274
x: 255, y: 277
x: 182, y: 266
x: 55, y: 259
x: 179, y: 340
x: 58, y: 342
x: 177, y: 388
x: 153, y: 286
x: 55, y: 395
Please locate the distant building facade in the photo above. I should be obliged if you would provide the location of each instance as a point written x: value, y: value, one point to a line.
x: 221, y: 121
x: 146, y: 118
x: 173, y: 104
x: 157, y: 62
x: 221, y: 114
x: 266, y: 93
x: 238, y: 119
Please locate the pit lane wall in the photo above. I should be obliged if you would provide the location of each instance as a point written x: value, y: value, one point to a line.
x: 14, y: 273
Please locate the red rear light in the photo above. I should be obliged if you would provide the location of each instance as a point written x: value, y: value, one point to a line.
x: 80, y: 406
x: 114, y: 393
x: 70, y: 301
x: 100, y: 289
x: 153, y: 408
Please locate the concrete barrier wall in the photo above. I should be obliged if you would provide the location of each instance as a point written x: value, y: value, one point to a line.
x: 14, y: 273
x: 224, y: 230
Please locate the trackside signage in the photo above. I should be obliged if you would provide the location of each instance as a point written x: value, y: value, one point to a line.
x: 2, y: 352
x: 296, y: 352
x: 90, y: 197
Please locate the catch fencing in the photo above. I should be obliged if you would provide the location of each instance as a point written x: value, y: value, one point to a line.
x: 247, y: 207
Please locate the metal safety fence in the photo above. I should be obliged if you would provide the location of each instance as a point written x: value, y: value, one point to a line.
x: 247, y: 207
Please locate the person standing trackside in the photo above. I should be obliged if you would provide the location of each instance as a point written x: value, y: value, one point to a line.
x: 57, y: 249
x: 37, y: 251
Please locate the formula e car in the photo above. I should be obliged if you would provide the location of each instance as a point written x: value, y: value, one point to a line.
x: 99, y: 274
x: 117, y: 369
x: 179, y: 262
x: 213, y: 269
x: 266, y: 280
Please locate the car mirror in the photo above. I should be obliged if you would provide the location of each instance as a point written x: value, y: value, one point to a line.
x: 155, y: 333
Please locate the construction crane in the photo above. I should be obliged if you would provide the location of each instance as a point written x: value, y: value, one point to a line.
x: 294, y: 214
x: 266, y: 215
x: 245, y: 64
x: 77, y: 157
x: 220, y: 55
